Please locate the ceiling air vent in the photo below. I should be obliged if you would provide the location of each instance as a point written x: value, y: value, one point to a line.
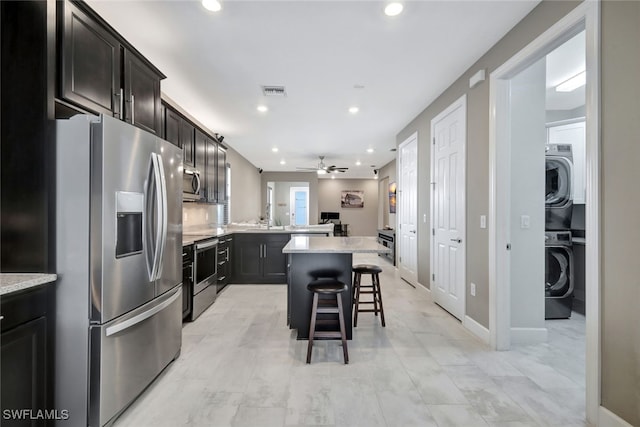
x: 274, y: 91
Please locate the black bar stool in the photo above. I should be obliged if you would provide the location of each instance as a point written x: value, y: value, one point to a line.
x: 325, y: 306
x: 373, y: 289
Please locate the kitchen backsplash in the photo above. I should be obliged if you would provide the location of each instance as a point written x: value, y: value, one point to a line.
x: 198, y: 216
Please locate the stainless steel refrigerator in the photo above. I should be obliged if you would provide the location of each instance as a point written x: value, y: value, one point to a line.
x: 119, y: 264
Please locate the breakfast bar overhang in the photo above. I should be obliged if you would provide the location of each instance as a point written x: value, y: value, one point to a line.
x: 311, y: 258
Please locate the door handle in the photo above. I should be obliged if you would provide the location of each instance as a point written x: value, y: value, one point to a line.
x: 456, y: 240
x: 412, y: 231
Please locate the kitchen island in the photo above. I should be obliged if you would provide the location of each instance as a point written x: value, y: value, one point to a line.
x: 310, y: 258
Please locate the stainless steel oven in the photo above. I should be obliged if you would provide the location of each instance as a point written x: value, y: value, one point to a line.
x: 191, y: 184
x: 206, y: 276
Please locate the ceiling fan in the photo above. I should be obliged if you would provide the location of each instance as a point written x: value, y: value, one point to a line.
x: 322, y: 168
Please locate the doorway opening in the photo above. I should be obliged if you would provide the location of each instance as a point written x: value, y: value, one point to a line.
x: 299, y: 206
x: 533, y: 132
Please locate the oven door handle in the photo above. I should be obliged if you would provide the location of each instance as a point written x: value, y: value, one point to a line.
x: 206, y: 245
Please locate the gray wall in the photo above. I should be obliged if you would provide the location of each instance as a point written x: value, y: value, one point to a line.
x: 620, y: 132
x: 282, y: 200
x: 620, y: 208
x: 362, y: 221
x: 534, y: 24
x: 309, y: 177
x: 245, y: 189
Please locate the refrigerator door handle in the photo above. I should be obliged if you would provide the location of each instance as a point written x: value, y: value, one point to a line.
x: 119, y: 327
x: 162, y: 190
x: 156, y: 207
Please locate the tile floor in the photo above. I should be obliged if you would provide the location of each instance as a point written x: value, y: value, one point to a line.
x: 241, y: 366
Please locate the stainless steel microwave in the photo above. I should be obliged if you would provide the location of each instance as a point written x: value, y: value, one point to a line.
x: 191, y: 184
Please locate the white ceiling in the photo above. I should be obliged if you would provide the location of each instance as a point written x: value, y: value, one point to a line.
x: 216, y: 64
x: 564, y: 62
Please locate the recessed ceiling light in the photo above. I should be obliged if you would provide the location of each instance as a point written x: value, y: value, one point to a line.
x: 212, y: 5
x: 393, y: 9
x: 333, y: 177
x: 262, y: 108
x: 274, y: 149
x: 358, y: 163
x: 282, y: 162
x: 369, y: 150
x: 353, y: 110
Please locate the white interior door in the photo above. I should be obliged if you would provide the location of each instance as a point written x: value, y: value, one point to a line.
x: 448, y: 131
x: 408, y: 210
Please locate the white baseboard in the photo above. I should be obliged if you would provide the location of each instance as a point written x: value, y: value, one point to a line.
x: 528, y: 335
x: 477, y: 329
x: 606, y: 418
x: 424, y: 287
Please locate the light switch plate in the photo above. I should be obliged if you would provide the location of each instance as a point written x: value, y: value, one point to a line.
x: 473, y: 289
x: 483, y: 221
x: 525, y: 221
x: 424, y: 218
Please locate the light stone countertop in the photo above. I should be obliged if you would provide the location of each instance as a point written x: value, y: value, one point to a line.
x: 320, y: 245
x: 192, y: 236
x: 14, y: 282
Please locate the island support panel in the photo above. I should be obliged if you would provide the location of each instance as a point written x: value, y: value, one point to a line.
x: 306, y: 267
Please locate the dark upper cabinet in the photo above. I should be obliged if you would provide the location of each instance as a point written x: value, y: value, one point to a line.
x: 142, y: 94
x: 221, y: 181
x: 200, y: 151
x: 90, y: 74
x: 180, y: 132
x: 212, y: 174
x: 100, y: 72
x: 188, y: 143
x: 172, y: 121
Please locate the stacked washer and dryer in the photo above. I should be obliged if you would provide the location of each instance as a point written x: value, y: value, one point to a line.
x: 558, y: 246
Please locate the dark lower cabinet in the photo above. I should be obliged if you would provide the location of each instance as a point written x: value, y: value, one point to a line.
x: 225, y: 269
x: 187, y: 281
x: 258, y: 258
x: 26, y: 357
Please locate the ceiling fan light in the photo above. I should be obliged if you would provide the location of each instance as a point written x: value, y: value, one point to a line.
x: 321, y: 171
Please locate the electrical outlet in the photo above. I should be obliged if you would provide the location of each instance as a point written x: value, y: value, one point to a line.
x: 483, y: 221
x: 473, y: 289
